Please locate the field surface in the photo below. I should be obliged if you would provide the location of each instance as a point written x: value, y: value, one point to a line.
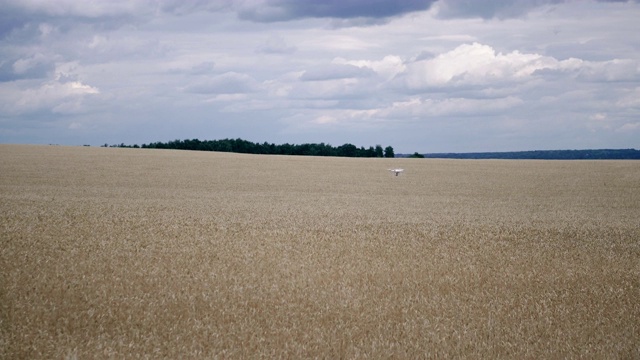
x: 138, y: 253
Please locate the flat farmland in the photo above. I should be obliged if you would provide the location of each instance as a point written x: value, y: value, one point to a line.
x: 139, y: 253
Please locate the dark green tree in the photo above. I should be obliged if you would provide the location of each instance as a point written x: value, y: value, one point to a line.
x: 388, y: 152
x: 348, y: 150
x: 243, y: 146
x: 416, y: 155
x: 379, y: 151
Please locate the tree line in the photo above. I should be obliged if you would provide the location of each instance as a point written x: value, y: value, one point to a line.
x: 589, y: 154
x: 248, y: 147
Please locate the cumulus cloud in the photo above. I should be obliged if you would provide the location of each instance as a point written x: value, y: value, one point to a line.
x: 51, y: 96
x: 388, y: 67
x: 477, y: 64
x: 472, y: 63
x: 612, y: 70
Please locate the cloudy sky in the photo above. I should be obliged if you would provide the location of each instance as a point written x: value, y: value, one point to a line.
x: 419, y: 75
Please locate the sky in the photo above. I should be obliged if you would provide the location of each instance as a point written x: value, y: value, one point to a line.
x: 419, y: 75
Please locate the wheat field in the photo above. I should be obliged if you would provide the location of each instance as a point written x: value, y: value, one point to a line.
x: 138, y: 253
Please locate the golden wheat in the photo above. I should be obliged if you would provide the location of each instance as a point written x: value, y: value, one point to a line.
x: 135, y: 253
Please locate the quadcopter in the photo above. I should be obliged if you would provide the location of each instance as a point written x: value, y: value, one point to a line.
x: 396, y: 171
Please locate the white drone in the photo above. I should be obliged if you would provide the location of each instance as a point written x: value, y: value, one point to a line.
x: 396, y: 171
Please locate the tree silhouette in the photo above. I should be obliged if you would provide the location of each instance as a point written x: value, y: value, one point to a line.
x: 388, y: 152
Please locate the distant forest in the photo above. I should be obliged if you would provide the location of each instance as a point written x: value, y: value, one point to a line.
x: 600, y: 154
x: 350, y: 150
x: 248, y: 147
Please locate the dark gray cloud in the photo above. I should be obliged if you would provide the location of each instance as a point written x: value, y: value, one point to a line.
x: 376, y: 11
x: 501, y: 9
x: 36, y: 66
x: 13, y: 15
x: 489, y: 9
x: 283, y: 10
x: 202, y: 68
x: 182, y: 7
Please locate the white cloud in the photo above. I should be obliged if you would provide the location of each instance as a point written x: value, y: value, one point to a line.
x: 388, y: 67
x: 475, y: 64
x: 478, y: 64
x: 613, y: 70
x: 51, y: 96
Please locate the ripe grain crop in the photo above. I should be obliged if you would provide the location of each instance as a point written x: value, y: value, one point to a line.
x: 137, y: 253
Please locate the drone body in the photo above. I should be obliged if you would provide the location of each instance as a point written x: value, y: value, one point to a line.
x: 396, y: 171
